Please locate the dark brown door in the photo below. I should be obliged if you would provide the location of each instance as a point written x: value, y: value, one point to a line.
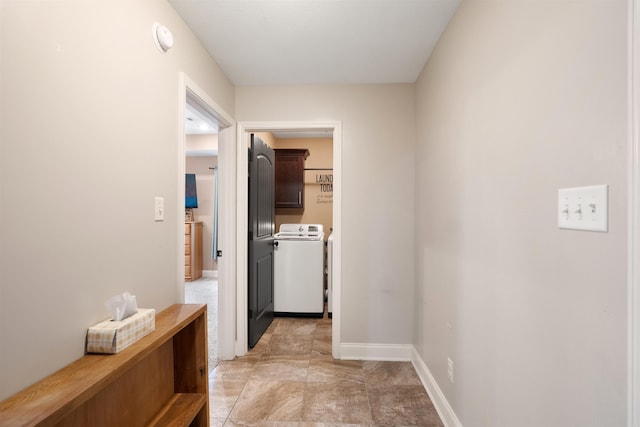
x: 261, y: 230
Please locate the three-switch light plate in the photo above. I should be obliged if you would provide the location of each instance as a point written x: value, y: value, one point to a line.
x: 583, y: 208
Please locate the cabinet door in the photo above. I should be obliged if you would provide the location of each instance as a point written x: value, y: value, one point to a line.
x: 289, y: 178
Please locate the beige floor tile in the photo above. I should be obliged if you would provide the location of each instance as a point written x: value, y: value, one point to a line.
x: 402, y: 405
x: 323, y: 328
x: 282, y: 368
x: 251, y: 358
x: 333, y: 371
x: 290, y: 344
x: 232, y: 370
x: 269, y: 401
x: 344, y: 402
x: 312, y: 424
x: 295, y: 326
x: 378, y: 374
x: 262, y: 346
x: 321, y: 346
x: 289, y: 379
x: 236, y: 423
x: 273, y: 325
x: 217, y: 422
x: 223, y: 395
x: 239, y: 423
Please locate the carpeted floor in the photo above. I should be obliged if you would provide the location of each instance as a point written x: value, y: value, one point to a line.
x: 205, y: 291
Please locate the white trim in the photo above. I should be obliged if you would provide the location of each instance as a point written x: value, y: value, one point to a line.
x: 243, y: 129
x: 444, y: 409
x: 633, y: 316
x: 227, y: 225
x: 241, y: 343
x: 365, y: 351
x: 182, y: 144
x: 226, y: 159
x: 336, y: 267
x: 210, y: 273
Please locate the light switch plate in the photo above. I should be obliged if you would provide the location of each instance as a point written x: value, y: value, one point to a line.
x: 583, y: 208
x: 159, y: 209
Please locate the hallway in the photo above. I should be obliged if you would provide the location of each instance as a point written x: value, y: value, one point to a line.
x: 205, y: 291
x: 290, y: 379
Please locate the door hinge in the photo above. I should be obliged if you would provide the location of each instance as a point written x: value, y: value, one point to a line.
x: 218, y: 253
x: 250, y: 156
x: 251, y: 235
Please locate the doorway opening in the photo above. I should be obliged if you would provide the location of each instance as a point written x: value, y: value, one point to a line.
x: 205, y: 156
x: 201, y: 220
x: 283, y: 130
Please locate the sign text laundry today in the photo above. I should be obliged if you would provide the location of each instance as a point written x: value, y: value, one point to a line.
x: 326, y: 182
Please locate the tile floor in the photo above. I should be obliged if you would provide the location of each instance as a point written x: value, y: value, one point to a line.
x: 290, y: 379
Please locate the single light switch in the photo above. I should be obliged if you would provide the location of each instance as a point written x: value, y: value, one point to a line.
x: 159, y: 209
x: 583, y: 208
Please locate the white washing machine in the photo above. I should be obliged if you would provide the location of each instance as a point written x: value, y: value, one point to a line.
x: 298, y: 276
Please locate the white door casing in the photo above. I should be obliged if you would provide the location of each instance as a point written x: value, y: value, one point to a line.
x: 226, y: 214
x: 243, y: 131
x: 633, y: 316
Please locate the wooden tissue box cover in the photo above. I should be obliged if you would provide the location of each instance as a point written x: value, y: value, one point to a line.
x: 113, y: 336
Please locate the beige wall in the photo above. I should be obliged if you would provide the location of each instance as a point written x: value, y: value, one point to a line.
x: 318, y: 208
x: 201, y: 142
x: 378, y: 154
x: 89, y: 136
x: 204, y: 212
x: 518, y: 100
x: 318, y: 199
x: 267, y: 138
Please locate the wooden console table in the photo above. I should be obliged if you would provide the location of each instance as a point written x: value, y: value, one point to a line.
x: 161, y: 380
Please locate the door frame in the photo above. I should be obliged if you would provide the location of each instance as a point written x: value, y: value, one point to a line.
x: 226, y: 212
x: 244, y: 129
x: 633, y: 257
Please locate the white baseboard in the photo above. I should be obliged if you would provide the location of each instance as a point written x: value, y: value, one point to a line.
x: 209, y: 273
x: 357, y: 351
x: 441, y: 404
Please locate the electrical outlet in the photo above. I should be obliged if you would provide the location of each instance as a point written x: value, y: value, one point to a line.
x: 450, y: 369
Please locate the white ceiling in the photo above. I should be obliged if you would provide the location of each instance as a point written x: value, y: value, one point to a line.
x: 285, y: 42
x: 198, y: 122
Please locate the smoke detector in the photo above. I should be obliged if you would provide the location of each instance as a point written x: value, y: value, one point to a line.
x: 162, y: 37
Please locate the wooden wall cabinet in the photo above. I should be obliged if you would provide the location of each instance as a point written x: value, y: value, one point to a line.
x: 192, y: 250
x: 160, y: 380
x: 289, y: 178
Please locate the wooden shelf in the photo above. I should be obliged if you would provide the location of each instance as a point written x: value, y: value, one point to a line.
x: 180, y: 411
x: 163, y: 371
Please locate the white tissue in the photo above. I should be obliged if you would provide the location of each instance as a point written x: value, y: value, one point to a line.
x: 122, y: 306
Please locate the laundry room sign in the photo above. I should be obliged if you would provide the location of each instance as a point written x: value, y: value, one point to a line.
x: 325, y: 181
x: 319, y: 184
